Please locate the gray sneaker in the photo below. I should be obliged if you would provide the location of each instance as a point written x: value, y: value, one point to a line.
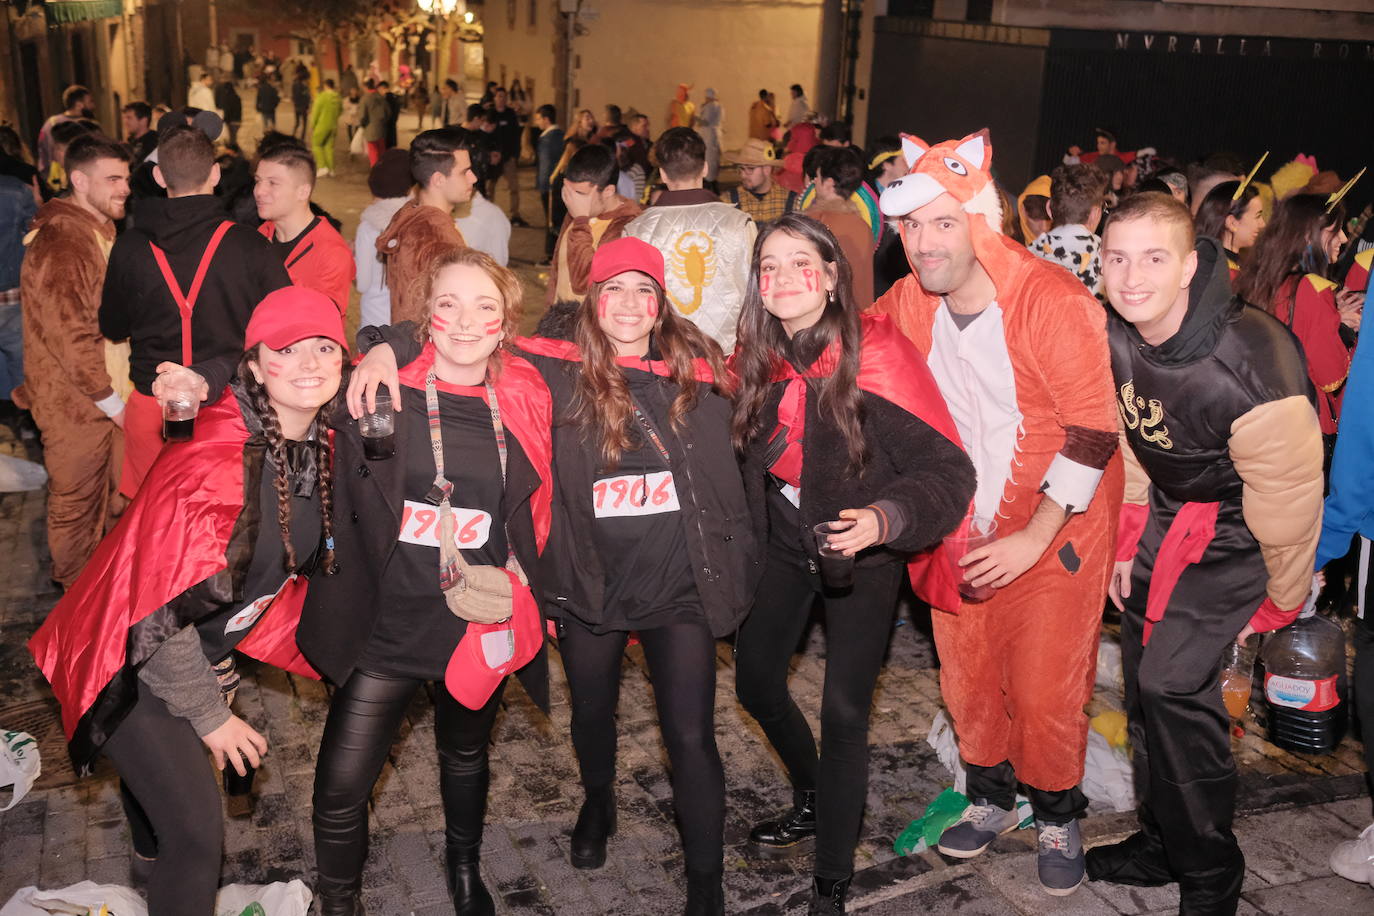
x: 1060, y: 859
x: 976, y: 828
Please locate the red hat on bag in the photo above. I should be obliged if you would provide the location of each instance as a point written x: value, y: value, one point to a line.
x: 490, y: 651
x: 294, y: 313
x: 625, y: 254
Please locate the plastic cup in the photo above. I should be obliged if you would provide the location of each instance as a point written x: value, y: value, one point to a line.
x: 179, y: 416
x: 378, y: 429
x: 980, y: 532
x: 837, y: 570
x: 1237, y: 678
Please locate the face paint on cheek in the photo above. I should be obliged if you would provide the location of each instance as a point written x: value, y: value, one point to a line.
x: 765, y: 283
x: 809, y: 275
x: 492, y: 327
x: 602, y: 304
x: 274, y: 368
x: 651, y: 306
x: 438, y: 323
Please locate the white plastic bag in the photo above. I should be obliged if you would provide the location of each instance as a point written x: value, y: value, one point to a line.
x: 20, y: 764
x: 1109, y: 674
x: 77, y: 900
x: 357, y: 145
x: 18, y: 475
x: 946, y: 746
x: 1107, y: 774
x: 290, y: 899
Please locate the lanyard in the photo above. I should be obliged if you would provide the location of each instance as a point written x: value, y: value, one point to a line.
x: 651, y: 433
x: 186, y: 302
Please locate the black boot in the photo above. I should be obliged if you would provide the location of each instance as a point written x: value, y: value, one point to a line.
x: 470, y: 895
x: 705, y: 893
x: 595, y: 824
x: 828, y: 895
x: 1138, y: 860
x: 791, y: 835
x: 344, y: 904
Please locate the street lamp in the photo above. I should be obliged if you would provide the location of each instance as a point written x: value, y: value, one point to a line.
x: 439, y: 11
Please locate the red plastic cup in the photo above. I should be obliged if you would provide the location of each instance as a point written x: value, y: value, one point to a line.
x: 979, y: 532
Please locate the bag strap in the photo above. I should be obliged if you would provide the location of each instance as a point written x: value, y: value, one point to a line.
x: 186, y: 302
x: 650, y: 432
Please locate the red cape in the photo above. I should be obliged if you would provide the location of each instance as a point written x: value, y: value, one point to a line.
x: 173, y: 536
x: 320, y: 260
x: 891, y: 368
x: 527, y: 408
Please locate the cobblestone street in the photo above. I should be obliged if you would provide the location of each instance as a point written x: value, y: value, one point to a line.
x: 1292, y: 810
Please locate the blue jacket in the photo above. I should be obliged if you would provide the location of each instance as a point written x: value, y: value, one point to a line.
x: 1349, y: 508
x: 16, y: 211
x: 549, y: 150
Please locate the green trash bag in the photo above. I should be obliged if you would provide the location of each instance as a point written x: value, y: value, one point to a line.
x: 924, y: 832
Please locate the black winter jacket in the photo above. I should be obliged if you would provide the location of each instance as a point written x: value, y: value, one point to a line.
x: 928, y: 477
x: 715, y: 514
x: 137, y: 304
x: 341, y: 610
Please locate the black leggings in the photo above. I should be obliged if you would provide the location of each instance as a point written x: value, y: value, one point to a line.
x: 163, y: 766
x: 364, y: 716
x: 682, y: 669
x: 858, y: 626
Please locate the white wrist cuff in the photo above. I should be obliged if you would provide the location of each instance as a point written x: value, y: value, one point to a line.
x: 1070, y: 484
x: 110, y: 406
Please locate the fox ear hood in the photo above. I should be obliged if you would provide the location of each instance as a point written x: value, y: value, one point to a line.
x: 961, y: 168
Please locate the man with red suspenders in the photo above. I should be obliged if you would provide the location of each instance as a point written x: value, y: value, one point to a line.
x: 181, y: 286
x: 314, y: 253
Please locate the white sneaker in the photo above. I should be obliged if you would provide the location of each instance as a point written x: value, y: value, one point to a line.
x: 1354, y: 859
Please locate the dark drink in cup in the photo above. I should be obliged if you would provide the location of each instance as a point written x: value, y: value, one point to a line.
x: 837, y: 570
x: 976, y: 532
x: 377, y: 448
x: 178, y: 430
x: 234, y: 784
x: 378, y: 429
x: 179, y: 417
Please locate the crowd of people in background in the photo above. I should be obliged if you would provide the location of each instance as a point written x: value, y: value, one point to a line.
x: 744, y: 398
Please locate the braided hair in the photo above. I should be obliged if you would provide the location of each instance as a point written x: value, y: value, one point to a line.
x: 318, y: 436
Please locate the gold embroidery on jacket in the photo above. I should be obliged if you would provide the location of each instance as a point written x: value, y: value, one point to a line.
x: 693, y: 261
x: 1130, y: 405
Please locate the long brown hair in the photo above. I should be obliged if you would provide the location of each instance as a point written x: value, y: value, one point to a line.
x: 318, y: 436
x: 507, y: 283
x: 1290, y: 246
x: 602, y: 405
x: 762, y: 344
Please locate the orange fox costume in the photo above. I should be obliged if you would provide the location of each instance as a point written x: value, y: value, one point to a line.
x: 1017, y: 669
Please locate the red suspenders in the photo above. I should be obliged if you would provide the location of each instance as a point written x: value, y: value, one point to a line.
x: 186, y: 302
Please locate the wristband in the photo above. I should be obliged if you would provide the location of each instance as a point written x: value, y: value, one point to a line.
x: 111, y: 405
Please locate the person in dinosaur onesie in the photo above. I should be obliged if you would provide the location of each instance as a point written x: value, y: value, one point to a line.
x: 1019, y: 349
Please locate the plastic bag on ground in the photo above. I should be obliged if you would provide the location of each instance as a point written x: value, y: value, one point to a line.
x: 20, y: 765
x: 1107, y: 774
x: 924, y: 832
x: 946, y: 746
x: 1109, y: 673
x: 18, y: 475
x: 279, y: 899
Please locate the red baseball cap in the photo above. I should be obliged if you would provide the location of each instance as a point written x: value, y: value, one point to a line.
x: 294, y: 313
x: 490, y: 651
x: 627, y: 254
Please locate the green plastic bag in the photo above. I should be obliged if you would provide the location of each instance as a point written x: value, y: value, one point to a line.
x: 925, y: 831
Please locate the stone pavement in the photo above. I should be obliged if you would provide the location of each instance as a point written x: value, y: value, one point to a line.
x: 1293, y: 810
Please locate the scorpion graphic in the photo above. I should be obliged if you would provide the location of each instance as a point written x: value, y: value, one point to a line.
x: 693, y: 262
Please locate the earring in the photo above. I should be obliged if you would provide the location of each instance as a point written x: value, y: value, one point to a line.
x: 831, y: 295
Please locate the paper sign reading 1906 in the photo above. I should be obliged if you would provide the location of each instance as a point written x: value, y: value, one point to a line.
x: 634, y: 495
x: 420, y: 525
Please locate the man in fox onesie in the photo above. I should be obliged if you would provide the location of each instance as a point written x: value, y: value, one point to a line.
x: 1019, y: 349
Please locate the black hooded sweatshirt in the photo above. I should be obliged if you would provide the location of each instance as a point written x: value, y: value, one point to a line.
x: 136, y: 302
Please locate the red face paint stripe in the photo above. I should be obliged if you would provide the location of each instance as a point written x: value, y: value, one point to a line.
x: 765, y: 282
x: 651, y: 306
x: 493, y: 327
x: 438, y: 323
x: 273, y: 369
x: 602, y: 304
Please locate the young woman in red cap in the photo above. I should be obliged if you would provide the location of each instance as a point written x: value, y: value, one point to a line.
x: 653, y: 537
x: 436, y: 545
x: 840, y: 422
x: 211, y: 556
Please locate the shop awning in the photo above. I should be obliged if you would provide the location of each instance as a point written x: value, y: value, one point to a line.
x: 82, y: 10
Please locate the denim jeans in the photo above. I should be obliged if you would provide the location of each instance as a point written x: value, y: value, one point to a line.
x: 11, y: 350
